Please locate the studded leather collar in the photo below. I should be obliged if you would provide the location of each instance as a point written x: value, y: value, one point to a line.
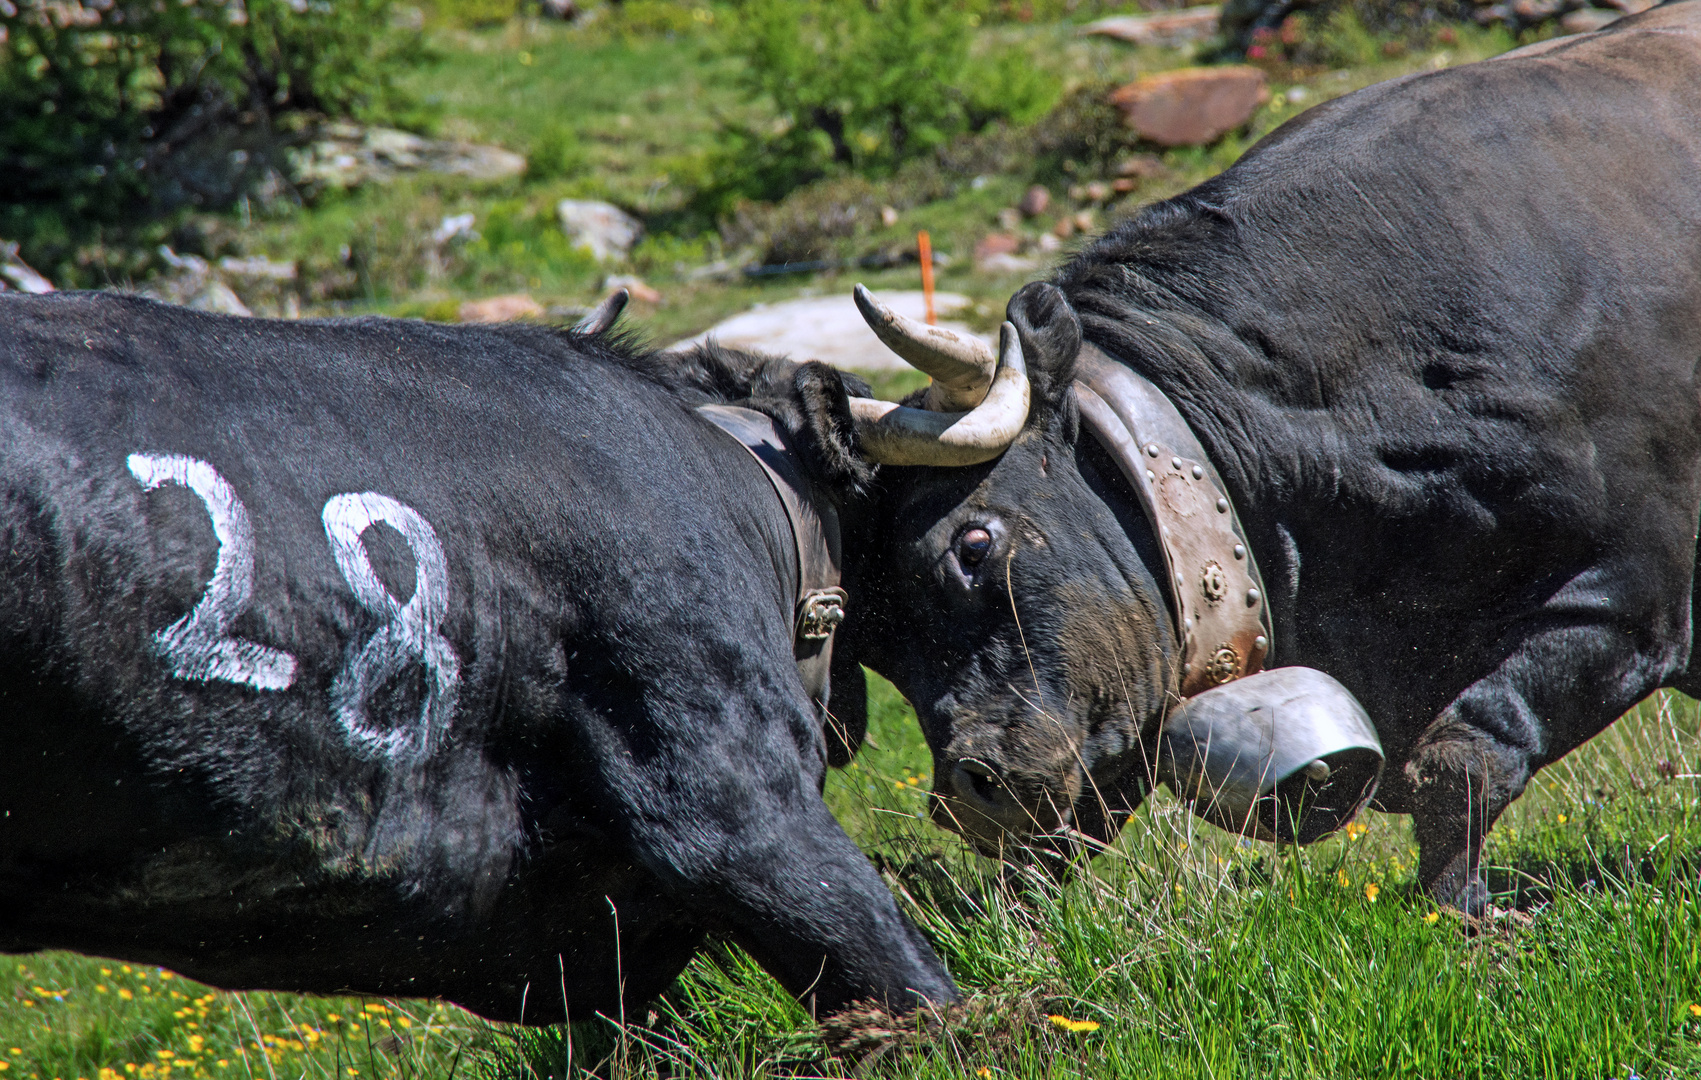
x: 1221, y: 612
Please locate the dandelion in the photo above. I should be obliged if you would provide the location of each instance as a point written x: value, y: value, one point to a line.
x: 1067, y: 1024
x: 223, y: 1064
x: 1370, y: 891
x: 1341, y: 876
x: 404, y: 1021
x: 984, y: 1073
x: 1431, y: 917
x: 164, y: 974
x: 376, y: 1008
x: 352, y: 1071
x: 106, y: 971
x: 124, y: 992
x: 100, y: 988
x: 1694, y: 1009
x: 1563, y: 819
x: 4, y: 1065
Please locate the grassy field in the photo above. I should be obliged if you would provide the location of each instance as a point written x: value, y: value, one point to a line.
x: 1183, y: 952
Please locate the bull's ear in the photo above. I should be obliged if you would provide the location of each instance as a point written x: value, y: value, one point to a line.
x: 1051, y: 336
x: 828, y: 428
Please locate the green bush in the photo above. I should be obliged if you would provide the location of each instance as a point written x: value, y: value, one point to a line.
x: 120, y: 112
x: 861, y: 87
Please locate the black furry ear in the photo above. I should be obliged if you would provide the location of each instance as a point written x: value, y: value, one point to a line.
x: 828, y: 428
x: 1051, y: 337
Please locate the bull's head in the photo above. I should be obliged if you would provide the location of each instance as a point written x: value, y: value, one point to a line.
x: 1018, y: 610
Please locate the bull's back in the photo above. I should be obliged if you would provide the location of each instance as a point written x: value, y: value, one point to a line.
x: 277, y: 600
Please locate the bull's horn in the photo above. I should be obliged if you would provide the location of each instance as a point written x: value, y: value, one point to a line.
x: 893, y: 434
x: 961, y: 365
x: 602, y: 316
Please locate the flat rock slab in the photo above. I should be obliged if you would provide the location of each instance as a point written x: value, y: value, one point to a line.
x: 1169, y: 28
x: 1192, y: 106
x: 828, y: 328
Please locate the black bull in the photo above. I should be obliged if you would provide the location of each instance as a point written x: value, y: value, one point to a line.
x: 1440, y: 337
x: 413, y: 660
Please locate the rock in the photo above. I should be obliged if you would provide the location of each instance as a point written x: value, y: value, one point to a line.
x: 346, y: 155
x: 1633, y: 7
x: 1003, y: 263
x: 1588, y: 20
x: 888, y: 216
x: 1085, y: 221
x: 601, y: 228
x: 1143, y: 166
x: 453, y: 226
x: 1048, y: 243
x: 997, y: 244
x: 258, y: 268
x: 501, y: 308
x: 1122, y: 185
x: 634, y: 285
x: 565, y: 10
x: 1170, y: 28
x: 219, y: 298
x: 23, y: 277
x: 1009, y: 219
x: 1093, y: 191
x: 828, y: 328
x: 1034, y: 201
x: 1064, y: 229
x: 1191, y: 106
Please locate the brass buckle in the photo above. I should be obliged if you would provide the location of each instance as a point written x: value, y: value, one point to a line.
x: 820, y: 613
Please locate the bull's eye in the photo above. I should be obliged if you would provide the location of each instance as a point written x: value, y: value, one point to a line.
x: 972, y: 546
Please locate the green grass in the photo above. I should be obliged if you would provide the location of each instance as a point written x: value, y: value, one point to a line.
x: 1196, y: 955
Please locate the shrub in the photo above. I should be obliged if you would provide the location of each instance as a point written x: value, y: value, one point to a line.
x: 861, y: 87
x: 121, y: 111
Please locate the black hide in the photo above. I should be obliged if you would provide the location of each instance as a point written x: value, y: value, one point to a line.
x: 621, y: 757
x: 1440, y: 337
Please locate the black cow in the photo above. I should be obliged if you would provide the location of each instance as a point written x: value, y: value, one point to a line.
x: 1440, y: 338
x: 403, y: 659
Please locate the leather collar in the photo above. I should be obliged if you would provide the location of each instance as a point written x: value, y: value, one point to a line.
x: 814, y: 519
x: 1220, y: 606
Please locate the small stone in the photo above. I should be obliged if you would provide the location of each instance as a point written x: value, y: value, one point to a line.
x: 601, y: 228
x: 1122, y: 185
x: 634, y: 285
x: 888, y: 216
x: 1048, y: 243
x: 1096, y: 191
x: 1009, y: 219
x: 258, y: 267
x: 1192, y: 106
x: 1085, y: 221
x: 501, y: 309
x: 996, y: 244
x: 1142, y: 167
x: 219, y: 298
x: 1064, y: 229
x: 1034, y: 201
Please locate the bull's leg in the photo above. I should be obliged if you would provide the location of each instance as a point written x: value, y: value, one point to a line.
x: 1555, y: 690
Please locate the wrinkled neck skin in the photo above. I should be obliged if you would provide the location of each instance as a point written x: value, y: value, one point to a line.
x: 1050, y: 740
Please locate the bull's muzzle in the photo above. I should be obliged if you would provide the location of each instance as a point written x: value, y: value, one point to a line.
x: 1286, y: 754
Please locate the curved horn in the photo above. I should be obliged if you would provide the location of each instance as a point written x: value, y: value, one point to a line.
x: 961, y: 366
x: 602, y: 316
x: 893, y: 434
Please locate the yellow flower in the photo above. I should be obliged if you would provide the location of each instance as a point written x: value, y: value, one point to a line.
x: 1341, y: 876
x: 352, y: 1071
x: 4, y: 1065
x: 1370, y: 891
x: 376, y: 1008
x: 1562, y: 819
x: 984, y: 1073
x: 165, y: 975
x: 129, y: 1066
x: 165, y: 1054
x: 106, y: 971
x: 100, y: 988
x: 404, y: 1021
x: 223, y: 1063
x: 1694, y: 1009
x: 125, y: 968
x: 1431, y: 917
x: 1067, y: 1024
x: 124, y: 992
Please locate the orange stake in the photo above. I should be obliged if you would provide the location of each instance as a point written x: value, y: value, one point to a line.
x: 924, y: 251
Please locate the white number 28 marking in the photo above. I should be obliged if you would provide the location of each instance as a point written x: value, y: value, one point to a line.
x: 200, y: 647
x: 410, y: 635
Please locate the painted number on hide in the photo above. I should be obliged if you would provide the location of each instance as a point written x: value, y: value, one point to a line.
x: 409, y: 635
x: 199, y: 646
